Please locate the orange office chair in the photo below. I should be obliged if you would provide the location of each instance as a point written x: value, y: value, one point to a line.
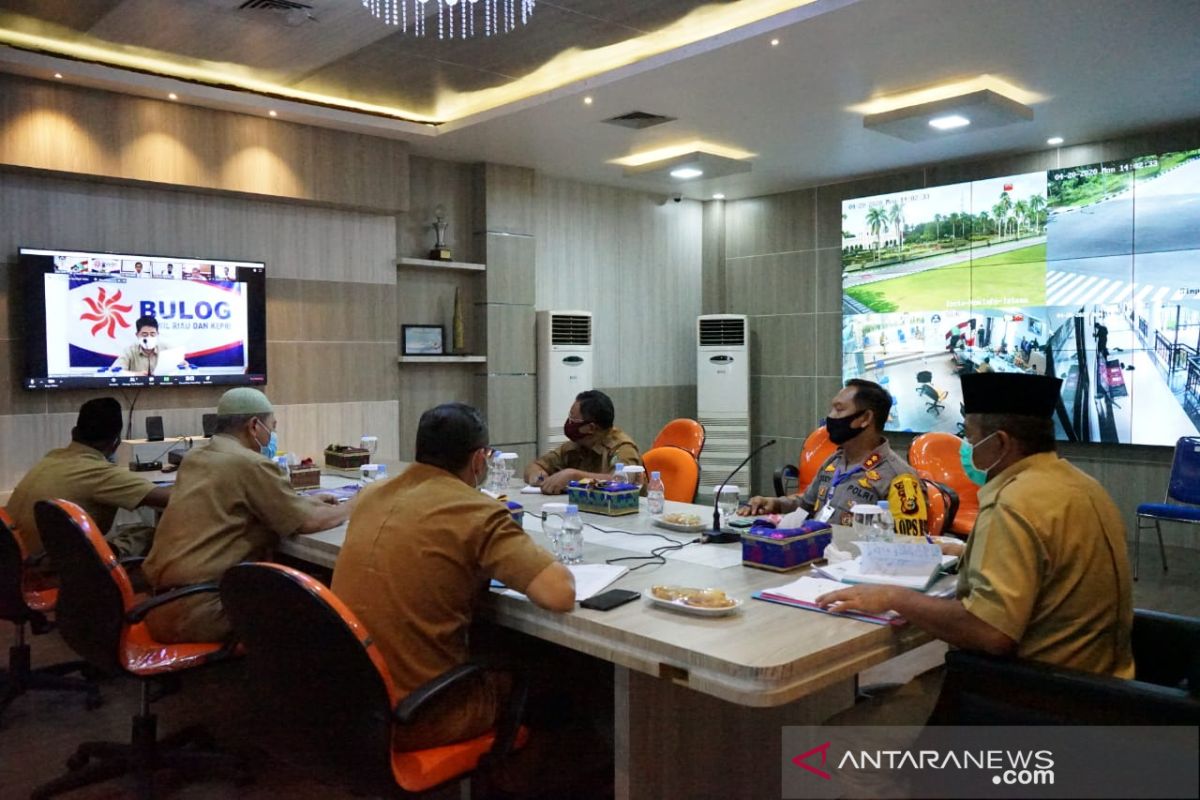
x: 686, y: 434
x: 102, y: 620
x: 328, y: 697
x: 943, y: 505
x: 680, y: 472
x: 24, y: 600
x: 935, y: 456
x: 817, y: 449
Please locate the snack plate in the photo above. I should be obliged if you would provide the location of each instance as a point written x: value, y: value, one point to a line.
x: 681, y: 528
x: 700, y: 611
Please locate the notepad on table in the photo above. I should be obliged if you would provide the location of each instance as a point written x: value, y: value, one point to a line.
x: 590, y: 579
x: 804, y: 591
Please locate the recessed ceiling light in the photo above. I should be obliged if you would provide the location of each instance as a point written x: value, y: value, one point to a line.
x: 1054, y: 140
x: 949, y: 123
x: 58, y: 75
x: 774, y: 43
x: 718, y: 196
x: 172, y: 96
x: 684, y: 173
x: 587, y: 101
x: 272, y: 113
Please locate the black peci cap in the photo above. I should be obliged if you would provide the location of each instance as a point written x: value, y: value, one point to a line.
x: 99, y: 419
x: 1010, y: 393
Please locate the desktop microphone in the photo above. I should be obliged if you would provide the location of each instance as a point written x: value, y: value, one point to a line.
x: 717, y: 536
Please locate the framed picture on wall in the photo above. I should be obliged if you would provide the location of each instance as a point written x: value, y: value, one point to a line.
x: 423, y: 340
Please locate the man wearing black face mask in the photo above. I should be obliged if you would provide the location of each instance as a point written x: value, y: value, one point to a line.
x: 595, y: 447
x: 863, y: 470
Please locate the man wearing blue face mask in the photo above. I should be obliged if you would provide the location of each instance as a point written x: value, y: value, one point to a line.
x: 1045, y: 574
x: 231, y: 504
x: 83, y: 473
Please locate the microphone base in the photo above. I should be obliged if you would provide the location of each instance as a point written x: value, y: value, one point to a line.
x: 720, y: 537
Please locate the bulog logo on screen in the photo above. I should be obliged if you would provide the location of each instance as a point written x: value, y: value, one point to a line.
x: 107, y: 312
x: 163, y: 309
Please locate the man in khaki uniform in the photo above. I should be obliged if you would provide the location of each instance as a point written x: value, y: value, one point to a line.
x: 1045, y: 574
x: 863, y: 470
x: 230, y: 504
x: 83, y: 473
x: 418, y: 551
x: 594, y: 449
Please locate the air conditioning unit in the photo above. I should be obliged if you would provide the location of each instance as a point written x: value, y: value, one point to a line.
x: 565, y: 368
x: 723, y: 399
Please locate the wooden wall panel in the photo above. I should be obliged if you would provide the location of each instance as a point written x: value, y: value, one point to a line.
x: 69, y: 129
x: 634, y: 263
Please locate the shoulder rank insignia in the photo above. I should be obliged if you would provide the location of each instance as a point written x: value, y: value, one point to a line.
x: 872, y: 461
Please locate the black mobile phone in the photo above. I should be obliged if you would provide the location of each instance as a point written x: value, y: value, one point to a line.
x: 607, y: 601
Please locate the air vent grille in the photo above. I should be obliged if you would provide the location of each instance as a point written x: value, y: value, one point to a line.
x: 275, y: 5
x: 570, y: 329
x: 639, y: 119
x: 722, y: 332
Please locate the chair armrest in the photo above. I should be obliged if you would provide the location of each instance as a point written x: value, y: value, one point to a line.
x: 131, y: 561
x: 951, y: 500
x: 1166, y: 649
x: 786, y: 472
x: 139, y: 612
x: 982, y: 689
x: 507, y: 724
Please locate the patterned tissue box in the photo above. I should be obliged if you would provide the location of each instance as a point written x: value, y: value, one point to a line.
x: 341, y: 456
x: 604, y: 500
x: 305, y: 477
x: 785, y: 550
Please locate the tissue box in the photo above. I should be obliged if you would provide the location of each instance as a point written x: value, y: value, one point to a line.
x: 518, y: 512
x: 308, y: 477
x: 340, y: 456
x: 785, y: 550
x: 611, y: 502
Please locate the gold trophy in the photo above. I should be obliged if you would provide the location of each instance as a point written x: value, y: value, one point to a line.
x: 440, y: 251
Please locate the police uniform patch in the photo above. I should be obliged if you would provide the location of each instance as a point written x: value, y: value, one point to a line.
x: 873, y: 475
x: 822, y: 492
x: 831, y: 468
x: 907, y: 503
x: 863, y: 482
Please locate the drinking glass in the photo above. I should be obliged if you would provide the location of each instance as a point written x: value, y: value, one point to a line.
x: 727, y: 501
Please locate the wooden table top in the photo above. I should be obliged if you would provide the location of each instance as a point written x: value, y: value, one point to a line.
x: 763, y: 655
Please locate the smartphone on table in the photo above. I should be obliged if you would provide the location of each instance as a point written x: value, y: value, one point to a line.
x: 606, y: 601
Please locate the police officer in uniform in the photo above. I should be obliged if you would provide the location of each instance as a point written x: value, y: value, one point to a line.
x: 863, y: 470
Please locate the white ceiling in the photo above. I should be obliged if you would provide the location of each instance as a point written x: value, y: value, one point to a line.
x: 1102, y: 67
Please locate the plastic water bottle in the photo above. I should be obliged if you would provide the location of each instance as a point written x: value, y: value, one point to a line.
x: 884, y: 524
x: 570, y: 541
x: 552, y: 525
x: 655, y: 494
x: 618, y: 475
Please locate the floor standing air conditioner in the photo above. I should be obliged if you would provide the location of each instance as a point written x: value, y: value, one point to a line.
x: 723, y: 400
x: 565, y: 368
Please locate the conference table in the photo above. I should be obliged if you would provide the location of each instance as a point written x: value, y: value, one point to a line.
x: 699, y: 703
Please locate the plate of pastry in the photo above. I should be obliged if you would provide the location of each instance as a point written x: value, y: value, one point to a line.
x: 702, y: 602
x: 683, y: 523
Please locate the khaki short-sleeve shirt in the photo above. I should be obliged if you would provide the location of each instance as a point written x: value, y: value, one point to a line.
x: 229, y: 504
x: 82, y: 475
x: 418, y: 551
x: 1046, y: 566
x: 614, y: 448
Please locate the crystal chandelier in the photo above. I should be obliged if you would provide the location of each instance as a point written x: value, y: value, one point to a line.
x: 495, y: 16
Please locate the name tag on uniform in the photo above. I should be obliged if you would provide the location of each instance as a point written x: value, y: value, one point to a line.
x: 826, y: 513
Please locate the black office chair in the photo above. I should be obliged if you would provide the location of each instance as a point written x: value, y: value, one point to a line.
x: 986, y: 690
x: 932, y: 396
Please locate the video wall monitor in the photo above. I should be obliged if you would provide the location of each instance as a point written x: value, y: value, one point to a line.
x: 97, y: 320
x: 1088, y: 273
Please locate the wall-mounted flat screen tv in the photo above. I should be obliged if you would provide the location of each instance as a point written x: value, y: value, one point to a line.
x: 96, y: 320
x: 1088, y: 273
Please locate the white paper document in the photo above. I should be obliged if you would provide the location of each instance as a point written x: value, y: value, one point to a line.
x: 915, y: 566
x: 590, y: 579
x: 531, y: 489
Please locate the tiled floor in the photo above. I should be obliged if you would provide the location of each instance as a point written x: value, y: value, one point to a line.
x: 40, y: 730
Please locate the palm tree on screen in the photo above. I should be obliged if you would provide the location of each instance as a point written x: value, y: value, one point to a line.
x: 877, y: 221
x: 1037, y: 205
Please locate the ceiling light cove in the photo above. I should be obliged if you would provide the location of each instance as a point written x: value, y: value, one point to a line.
x: 683, y: 148
x: 949, y: 122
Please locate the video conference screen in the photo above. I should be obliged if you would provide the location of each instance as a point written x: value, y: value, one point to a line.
x: 95, y: 320
x: 1088, y: 273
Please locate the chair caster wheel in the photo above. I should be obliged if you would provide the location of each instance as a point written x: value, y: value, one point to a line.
x: 76, y: 762
x: 93, y: 701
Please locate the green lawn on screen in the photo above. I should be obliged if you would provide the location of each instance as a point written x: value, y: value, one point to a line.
x: 1015, y: 278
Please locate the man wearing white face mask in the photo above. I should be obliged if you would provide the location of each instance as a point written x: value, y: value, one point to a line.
x: 1045, y: 574
x: 230, y: 504
x: 141, y: 358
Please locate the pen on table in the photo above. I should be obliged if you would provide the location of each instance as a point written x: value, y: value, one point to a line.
x: 929, y: 539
